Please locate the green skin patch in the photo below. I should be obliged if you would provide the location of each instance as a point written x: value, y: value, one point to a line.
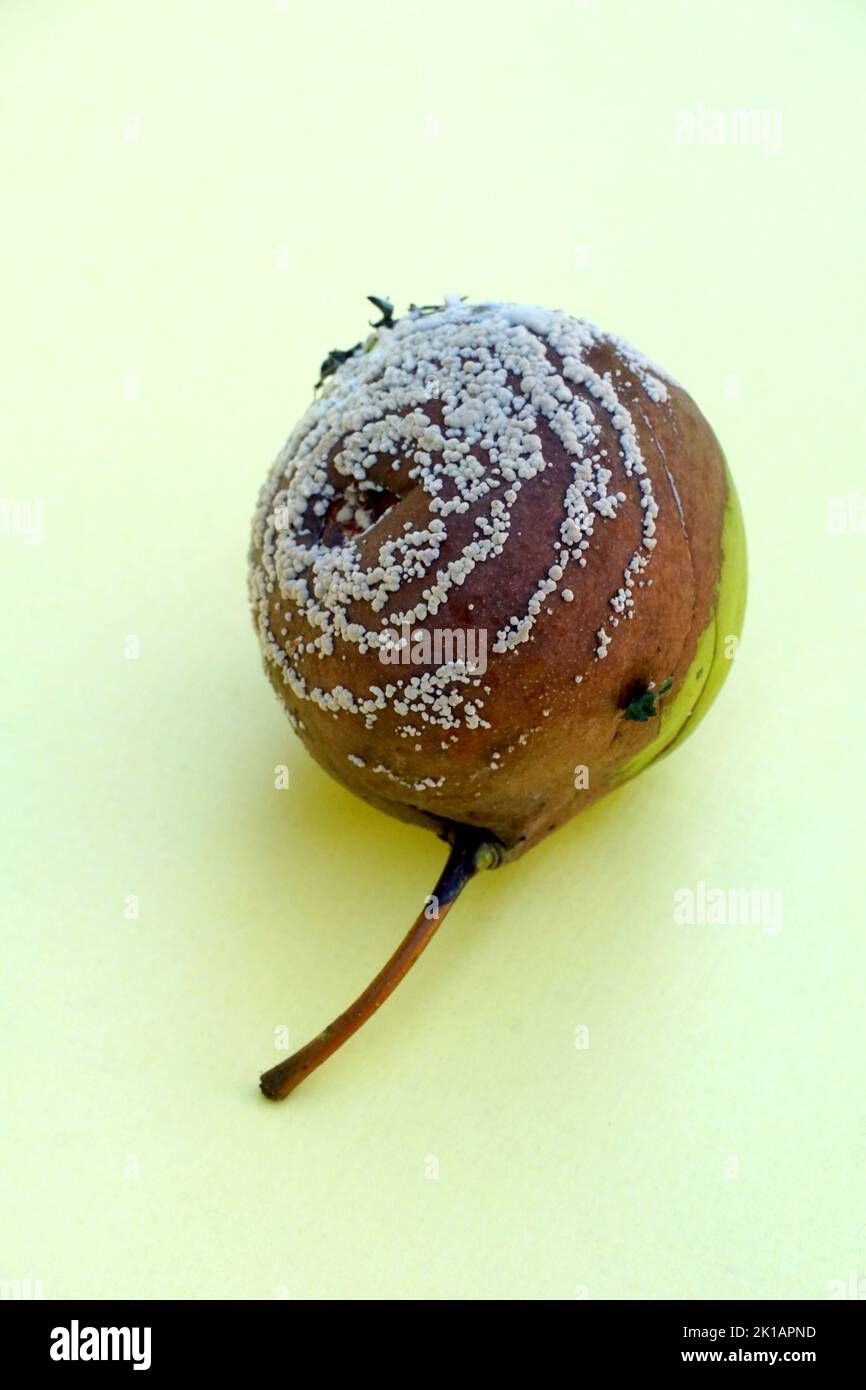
x: 680, y: 716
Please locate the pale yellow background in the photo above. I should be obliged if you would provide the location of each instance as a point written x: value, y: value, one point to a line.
x: 198, y: 196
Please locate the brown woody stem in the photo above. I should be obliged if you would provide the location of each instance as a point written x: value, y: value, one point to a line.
x: 470, y: 852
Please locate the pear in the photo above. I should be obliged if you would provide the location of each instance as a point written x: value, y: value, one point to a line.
x: 496, y: 571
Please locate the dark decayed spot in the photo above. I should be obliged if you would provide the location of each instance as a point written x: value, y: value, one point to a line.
x: 375, y: 502
x: 642, y: 705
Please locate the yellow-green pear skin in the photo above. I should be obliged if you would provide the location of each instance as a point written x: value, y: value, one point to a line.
x: 717, y: 648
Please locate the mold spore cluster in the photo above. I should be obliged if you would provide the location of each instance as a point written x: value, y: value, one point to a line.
x: 441, y: 416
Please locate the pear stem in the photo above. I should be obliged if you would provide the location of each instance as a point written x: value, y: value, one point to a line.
x: 470, y: 852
